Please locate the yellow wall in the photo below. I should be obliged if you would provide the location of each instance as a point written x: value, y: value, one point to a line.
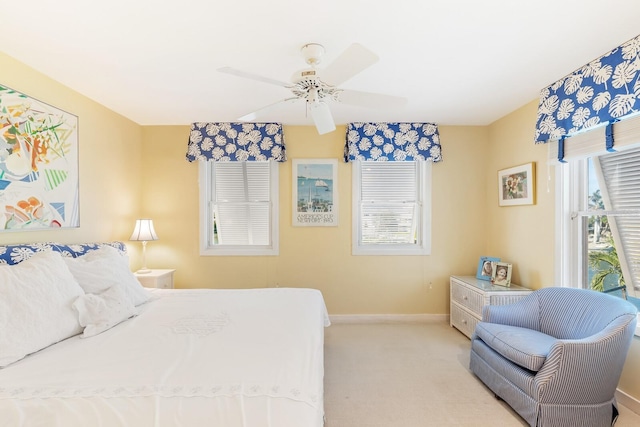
x: 109, y: 160
x: 523, y: 235
x: 320, y: 257
x: 128, y: 171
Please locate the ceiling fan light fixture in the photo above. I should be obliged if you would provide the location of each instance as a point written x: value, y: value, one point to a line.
x: 313, y: 96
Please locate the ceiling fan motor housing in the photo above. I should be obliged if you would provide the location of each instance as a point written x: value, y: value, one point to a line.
x: 307, y: 85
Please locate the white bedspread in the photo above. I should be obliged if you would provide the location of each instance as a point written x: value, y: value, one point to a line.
x: 223, y: 358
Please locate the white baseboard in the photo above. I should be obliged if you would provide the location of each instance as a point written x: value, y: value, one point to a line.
x: 388, y: 318
x: 628, y: 401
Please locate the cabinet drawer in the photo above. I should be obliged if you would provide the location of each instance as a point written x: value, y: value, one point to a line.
x: 467, y: 298
x: 507, y: 298
x: 165, y: 282
x: 463, y: 320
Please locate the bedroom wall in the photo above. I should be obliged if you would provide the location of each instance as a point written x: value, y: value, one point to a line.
x: 320, y: 257
x: 109, y: 160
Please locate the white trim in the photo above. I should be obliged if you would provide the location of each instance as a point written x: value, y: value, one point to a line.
x: 388, y: 318
x: 628, y: 401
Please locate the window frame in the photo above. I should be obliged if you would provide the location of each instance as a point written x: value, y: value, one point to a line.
x: 571, y: 200
x: 205, y: 179
x: 423, y: 184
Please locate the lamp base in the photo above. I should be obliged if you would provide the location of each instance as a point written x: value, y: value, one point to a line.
x: 143, y: 271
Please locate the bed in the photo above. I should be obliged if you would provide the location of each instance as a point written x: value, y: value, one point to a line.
x: 138, y: 357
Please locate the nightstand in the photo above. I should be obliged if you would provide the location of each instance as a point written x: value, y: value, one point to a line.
x: 162, y: 279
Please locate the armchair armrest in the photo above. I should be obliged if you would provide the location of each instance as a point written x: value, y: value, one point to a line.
x: 573, y: 364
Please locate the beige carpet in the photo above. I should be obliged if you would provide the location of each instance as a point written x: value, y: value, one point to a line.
x: 410, y: 375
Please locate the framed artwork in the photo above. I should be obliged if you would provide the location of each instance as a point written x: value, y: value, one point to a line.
x: 485, y: 266
x: 38, y: 164
x: 516, y: 185
x: 315, y: 192
x: 501, y: 274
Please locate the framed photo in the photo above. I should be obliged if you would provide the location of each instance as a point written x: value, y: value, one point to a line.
x: 485, y: 267
x: 501, y: 274
x: 315, y: 192
x: 516, y: 185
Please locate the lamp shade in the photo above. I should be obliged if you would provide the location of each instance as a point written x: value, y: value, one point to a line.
x: 144, y: 231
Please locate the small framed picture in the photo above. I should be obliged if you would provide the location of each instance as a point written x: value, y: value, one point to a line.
x: 485, y: 267
x: 501, y: 274
x: 516, y: 185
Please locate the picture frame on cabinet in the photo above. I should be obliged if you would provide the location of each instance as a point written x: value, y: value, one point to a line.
x: 501, y: 274
x: 485, y: 267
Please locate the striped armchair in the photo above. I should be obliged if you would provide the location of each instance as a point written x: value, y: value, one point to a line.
x: 556, y: 355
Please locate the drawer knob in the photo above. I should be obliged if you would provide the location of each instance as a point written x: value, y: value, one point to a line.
x: 465, y: 298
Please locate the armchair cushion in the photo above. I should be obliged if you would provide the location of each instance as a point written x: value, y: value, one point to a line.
x: 524, y: 347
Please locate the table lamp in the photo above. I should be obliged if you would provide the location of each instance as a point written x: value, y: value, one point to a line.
x: 144, y: 232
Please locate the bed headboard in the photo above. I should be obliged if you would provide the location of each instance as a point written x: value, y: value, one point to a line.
x: 14, y: 254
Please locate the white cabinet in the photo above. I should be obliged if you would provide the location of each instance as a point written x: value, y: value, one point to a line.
x: 161, y: 279
x: 469, y: 295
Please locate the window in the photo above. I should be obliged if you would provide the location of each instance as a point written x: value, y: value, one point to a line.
x: 391, y: 208
x: 239, y: 208
x: 598, y: 213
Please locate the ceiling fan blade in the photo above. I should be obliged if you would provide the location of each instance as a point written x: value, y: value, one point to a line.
x: 322, y: 117
x: 368, y: 99
x: 271, y: 107
x: 350, y: 62
x: 234, y: 72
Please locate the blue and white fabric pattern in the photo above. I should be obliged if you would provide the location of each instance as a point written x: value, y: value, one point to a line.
x: 236, y: 142
x: 384, y: 142
x: 14, y: 254
x: 601, y: 92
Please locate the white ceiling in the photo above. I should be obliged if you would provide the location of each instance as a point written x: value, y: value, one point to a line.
x: 458, y: 62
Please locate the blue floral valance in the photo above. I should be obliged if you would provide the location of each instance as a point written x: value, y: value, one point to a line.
x: 601, y: 92
x: 392, y: 142
x: 236, y: 142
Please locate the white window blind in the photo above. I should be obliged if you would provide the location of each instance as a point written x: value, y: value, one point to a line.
x: 239, y: 202
x: 621, y: 193
x: 389, y: 205
x: 390, y: 208
x: 592, y: 142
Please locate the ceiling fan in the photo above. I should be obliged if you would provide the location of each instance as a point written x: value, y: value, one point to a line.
x: 317, y: 87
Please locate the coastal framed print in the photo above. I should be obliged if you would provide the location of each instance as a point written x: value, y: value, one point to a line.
x: 315, y: 192
x: 38, y: 164
x: 485, y: 266
x: 516, y: 185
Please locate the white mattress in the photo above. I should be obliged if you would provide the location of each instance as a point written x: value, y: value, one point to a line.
x: 191, y: 358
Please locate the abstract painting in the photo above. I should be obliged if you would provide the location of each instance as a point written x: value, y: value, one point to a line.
x: 38, y: 164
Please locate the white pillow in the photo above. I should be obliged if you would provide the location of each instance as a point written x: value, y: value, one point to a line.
x: 36, y: 298
x: 97, y: 313
x: 99, y: 270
